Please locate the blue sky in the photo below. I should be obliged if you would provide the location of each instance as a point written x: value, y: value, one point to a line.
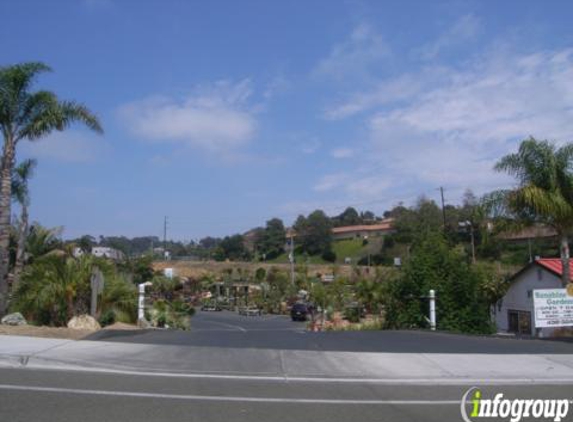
x: 223, y: 114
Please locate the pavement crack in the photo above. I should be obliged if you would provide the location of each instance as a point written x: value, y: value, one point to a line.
x: 282, y: 366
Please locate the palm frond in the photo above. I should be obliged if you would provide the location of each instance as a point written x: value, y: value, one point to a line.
x: 15, y: 82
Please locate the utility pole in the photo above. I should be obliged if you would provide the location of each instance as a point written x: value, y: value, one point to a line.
x: 165, y: 237
x: 291, y: 258
x: 443, y: 207
x: 473, y: 243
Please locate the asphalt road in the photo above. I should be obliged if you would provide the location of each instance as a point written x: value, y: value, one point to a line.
x: 230, y: 330
x: 35, y: 395
x: 28, y: 394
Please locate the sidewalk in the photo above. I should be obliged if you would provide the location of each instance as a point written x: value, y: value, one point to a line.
x: 399, y: 368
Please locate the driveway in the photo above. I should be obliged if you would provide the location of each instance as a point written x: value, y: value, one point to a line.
x: 229, y: 330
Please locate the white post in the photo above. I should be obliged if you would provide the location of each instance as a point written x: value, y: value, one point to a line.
x: 432, y: 310
x: 141, y: 304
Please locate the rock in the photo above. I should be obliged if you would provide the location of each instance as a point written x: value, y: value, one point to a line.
x: 84, y: 322
x: 143, y: 323
x: 14, y: 319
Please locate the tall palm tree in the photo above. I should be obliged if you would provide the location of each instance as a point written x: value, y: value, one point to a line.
x: 27, y: 115
x: 545, y: 189
x: 21, y: 194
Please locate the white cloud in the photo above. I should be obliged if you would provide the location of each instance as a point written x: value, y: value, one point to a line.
x: 464, y: 29
x: 363, y: 48
x: 355, y: 186
x: 455, y: 132
x: 216, y: 118
x: 71, y: 146
x: 330, y: 182
x: 452, y: 127
x: 342, y: 153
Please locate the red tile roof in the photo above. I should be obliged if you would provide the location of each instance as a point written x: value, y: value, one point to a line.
x: 363, y: 228
x: 554, y: 265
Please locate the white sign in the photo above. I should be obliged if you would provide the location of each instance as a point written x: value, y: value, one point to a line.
x: 553, y: 308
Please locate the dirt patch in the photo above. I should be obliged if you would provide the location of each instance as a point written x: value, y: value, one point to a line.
x: 46, y: 332
x: 121, y: 326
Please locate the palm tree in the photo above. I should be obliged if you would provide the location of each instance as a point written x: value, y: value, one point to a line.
x: 21, y: 194
x: 545, y: 190
x: 26, y: 115
x: 43, y: 241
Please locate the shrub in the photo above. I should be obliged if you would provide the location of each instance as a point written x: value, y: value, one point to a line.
x: 462, y: 305
x: 107, y: 318
x: 329, y: 256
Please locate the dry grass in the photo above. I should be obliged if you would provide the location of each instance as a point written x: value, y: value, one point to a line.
x: 46, y: 332
x: 58, y: 332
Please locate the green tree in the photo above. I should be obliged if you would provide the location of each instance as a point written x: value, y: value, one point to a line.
x: 462, y: 304
x: 272, y: 239
x: 314, y: 232
x: 21, y: 194
x: 425, y: 217
x: 545, y: 190
x: 232, y: 248
x: 349, y: 217
x: 86, y: 243
x: 26, y: 115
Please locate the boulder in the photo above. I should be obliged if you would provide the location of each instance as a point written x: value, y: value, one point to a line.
x: 143, y: 323
x: 84, y: 322
x: 14, y: 319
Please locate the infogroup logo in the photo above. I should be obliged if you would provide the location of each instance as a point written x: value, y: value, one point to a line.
x: 514, y: 410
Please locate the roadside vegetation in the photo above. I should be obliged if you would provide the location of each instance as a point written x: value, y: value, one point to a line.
x: 464, y: 252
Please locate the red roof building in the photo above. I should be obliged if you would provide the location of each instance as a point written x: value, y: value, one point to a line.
x: 554, y: 265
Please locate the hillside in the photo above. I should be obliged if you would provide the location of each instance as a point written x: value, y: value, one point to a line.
x: 352, y: 248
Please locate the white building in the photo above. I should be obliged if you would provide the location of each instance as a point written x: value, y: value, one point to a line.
x: 107, y: 252
x: 514, y: 313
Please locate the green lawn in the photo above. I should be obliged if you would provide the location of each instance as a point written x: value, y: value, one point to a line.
x: 352, y: 248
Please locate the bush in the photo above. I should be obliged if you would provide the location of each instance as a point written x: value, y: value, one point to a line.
x: 329, y: 256
x: 107, y: 318
x: 462, y: 305
x: 352, y: 314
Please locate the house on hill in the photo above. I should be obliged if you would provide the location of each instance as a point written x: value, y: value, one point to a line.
x: 514, y: 313
x: 363, y: 231
x: 101, y: 252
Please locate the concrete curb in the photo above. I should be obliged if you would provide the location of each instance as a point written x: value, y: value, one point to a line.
x: 284, y: 365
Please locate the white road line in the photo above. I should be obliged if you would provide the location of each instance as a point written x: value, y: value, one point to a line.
x: 195, y: 397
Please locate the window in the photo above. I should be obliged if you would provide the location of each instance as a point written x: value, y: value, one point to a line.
x: 519, y: 322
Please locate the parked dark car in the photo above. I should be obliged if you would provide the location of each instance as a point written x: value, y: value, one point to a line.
x: 300, y: 312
